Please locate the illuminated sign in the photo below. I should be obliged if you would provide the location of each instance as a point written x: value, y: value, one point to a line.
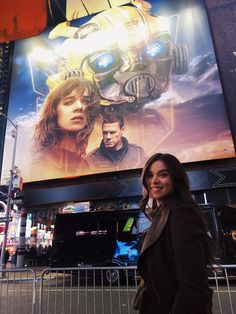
x: 106, y: 92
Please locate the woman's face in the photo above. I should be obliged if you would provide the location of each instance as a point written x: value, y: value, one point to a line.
x: 71, y: 112
x: 159, y: 181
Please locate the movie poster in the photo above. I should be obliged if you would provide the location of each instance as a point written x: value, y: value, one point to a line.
x: 104, y: 92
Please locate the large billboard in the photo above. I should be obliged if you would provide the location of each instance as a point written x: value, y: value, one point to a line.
x: 105, y: 92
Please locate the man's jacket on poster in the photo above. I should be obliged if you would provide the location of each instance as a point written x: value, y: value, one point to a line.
x: 105, y: 159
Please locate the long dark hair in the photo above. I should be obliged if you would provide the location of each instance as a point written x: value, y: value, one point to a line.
x: 181, y: 191
x: 177, y: 174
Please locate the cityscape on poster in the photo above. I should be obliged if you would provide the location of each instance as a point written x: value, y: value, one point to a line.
x: 103, y: 93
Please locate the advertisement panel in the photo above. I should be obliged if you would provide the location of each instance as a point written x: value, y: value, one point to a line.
x: 105, y: 92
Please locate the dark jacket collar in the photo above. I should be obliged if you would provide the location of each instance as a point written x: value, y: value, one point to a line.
x: 156, y: 228
x: 114, y: 155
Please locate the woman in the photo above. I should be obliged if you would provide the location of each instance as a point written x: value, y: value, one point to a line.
x: 65, y: 124
x: 175, y: 252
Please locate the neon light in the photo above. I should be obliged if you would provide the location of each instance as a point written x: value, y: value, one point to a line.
x: 128, y: 225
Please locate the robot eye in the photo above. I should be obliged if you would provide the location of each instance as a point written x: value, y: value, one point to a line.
x: 156, y: 49
x: 103, y: 62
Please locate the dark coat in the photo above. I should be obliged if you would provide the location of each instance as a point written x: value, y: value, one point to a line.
x: 173, y: 262
x: 103, y: 159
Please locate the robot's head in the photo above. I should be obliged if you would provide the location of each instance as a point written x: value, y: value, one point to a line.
x: 125, y: 51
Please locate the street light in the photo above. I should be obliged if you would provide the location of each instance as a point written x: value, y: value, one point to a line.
x: 14, y: 135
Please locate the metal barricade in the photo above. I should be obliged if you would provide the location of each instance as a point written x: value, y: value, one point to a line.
x: 223, y: 282
x: 93, y: 290
x: 83, y: 290
x: 17, y: 291
x: 109, y: 290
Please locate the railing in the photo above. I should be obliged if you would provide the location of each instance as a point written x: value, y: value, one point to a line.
x: 17, y: 291
x: 83, y: 290
x: 223, y: 282
x: 88, y: 290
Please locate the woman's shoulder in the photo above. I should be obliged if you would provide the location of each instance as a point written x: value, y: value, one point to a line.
x: 182, y: 207
x: 172, y: 204
x: 186, y: 213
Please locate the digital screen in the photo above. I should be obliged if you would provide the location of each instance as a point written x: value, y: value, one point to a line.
x: 105, y: 92
x: 126, y: 251
x: 110, y: 236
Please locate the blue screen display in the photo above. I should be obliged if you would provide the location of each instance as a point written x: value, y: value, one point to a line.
x: 126, y: 251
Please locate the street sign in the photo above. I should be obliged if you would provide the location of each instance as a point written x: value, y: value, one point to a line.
x: 5, y: 219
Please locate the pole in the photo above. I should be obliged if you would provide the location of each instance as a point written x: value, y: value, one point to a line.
x: 21, y: 244
x: 14, y: 135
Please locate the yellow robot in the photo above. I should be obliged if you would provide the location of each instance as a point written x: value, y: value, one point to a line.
x: 126, y: 51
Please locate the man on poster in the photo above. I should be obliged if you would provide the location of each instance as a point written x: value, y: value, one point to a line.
x: 115, y: 152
